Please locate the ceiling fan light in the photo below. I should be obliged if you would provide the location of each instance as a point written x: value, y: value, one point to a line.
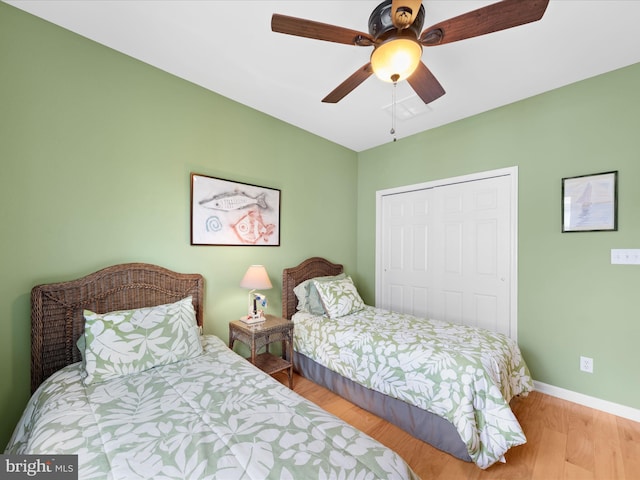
x: 396, y: 59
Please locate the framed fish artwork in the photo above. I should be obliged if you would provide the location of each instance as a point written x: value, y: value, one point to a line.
x: 590, y: 203
x: 224, y: 212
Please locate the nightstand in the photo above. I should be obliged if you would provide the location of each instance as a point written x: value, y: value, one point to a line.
x: 273, y: 329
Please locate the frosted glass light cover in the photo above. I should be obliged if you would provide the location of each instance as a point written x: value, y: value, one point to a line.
x: 400, y: 56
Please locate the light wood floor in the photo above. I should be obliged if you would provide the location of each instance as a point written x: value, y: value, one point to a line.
x: 565, y: 441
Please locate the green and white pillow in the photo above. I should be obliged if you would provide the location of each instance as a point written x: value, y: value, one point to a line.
x: 308, y: 297
x: 339, y: 297
x: 131, y: 341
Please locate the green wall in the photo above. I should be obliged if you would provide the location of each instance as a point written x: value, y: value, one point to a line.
x: 571, y: 300
x: 96, y: 149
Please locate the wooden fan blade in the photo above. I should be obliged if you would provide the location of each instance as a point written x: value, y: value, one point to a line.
x: 319, y: 31
x: 404, y: 12
x: 349, y: 84
x: 425, y: 84
x: 492, y: 18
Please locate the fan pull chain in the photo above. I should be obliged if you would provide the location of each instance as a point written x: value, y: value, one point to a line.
x: 393, y: 106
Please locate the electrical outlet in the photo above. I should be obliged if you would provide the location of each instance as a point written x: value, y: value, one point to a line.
x: 586, y: 364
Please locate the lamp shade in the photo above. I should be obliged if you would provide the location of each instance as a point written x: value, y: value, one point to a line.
x: 256, y: 278
x: 396, y: 59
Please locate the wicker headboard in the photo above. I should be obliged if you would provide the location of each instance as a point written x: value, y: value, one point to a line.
x: 56, y: 308
x: 291, y: 277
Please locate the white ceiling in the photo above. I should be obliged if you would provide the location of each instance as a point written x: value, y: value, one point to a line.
x: 228, y: 47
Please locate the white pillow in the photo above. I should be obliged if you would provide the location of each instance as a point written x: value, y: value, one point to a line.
x: 131, y: 341
x: 307, y: 295
x: 339, y: 297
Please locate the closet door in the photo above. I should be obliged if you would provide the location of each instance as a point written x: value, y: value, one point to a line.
x: 471, y: 268
x: 407, y: 281
x: 445, y: 252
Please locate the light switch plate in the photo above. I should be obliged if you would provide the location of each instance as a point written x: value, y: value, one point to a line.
x: 625, y: 256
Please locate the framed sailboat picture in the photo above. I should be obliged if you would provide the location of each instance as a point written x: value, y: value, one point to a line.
x: 590, y: 203
x: 224, y: 212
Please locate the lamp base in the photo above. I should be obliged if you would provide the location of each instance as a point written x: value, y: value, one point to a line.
x: 251, y: 320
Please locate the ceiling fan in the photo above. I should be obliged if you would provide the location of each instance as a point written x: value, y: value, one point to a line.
x: 395, y: 33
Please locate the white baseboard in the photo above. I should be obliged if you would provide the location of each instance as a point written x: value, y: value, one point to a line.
x: 587, y: 401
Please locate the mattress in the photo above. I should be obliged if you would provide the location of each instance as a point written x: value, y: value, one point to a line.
x: 212, y: 416
x: 463, y: 374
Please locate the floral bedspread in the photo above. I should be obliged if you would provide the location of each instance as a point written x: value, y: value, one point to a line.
x: 213, y: 416
x: 464, y: 374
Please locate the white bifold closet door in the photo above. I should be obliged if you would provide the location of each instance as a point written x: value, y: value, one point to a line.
x: 446, y: 252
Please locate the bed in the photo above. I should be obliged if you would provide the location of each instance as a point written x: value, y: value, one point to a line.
x: 448, y: 385
x: 157, y: 399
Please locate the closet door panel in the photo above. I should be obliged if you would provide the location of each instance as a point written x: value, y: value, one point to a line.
x: 446, y: 252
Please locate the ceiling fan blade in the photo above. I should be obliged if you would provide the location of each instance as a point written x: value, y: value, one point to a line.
x: 492, y: 18
x: 404, y: 12
x: 319, y: 31
x: 349, y: 84
x: 425, y: 84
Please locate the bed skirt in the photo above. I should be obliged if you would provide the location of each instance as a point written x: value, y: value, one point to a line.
x: 426, y: 426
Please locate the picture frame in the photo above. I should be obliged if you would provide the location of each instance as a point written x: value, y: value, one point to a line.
x: 590, y: 203
x: 225, y: 212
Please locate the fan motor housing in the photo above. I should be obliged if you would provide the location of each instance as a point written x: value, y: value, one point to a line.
x: 381, y: 25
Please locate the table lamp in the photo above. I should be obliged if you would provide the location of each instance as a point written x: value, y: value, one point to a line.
x: 255, y: 278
